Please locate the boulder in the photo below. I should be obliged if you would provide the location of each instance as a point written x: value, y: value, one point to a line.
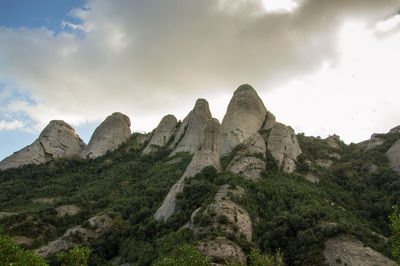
x: 164, y: 131
x: 393, y: 155
x: 248, y: 167
x: 108, y: 136
x: 78, y: 235
x: 245, y: 116
x: 207, y: 155
x: 67, y: 210
x: 373, y: 142
x: 270, y: 121
x: 346, y: 250
x: 57, y: 140
x: 333, y: 141
x: 190, y: 132
x: 223, y: 216
x: 221, y: 250
x: 283, y: 146
x: 245, y: 163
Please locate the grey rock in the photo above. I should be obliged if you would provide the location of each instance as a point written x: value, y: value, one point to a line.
x: 247, y: 166
x: 65, y: 210
x: 270, y: 121
x: 207, y: 155
x: 312, y: 178
x: 238, y: 221
x: 192, y: 128
x: 333, y: 141
x: 284, y: 147
x: 98, y: 226
x: 221, y: 250
x: 393, y: 155
x: 141, y: 139
x: 245, y: 163
x: 225, y: 192
x: 57, y: 140
x: 347, y: 250
x: 324, y: 163
x: 373, y: 142
x: 245, y: 116
x: 162, y: 133
x: 395, y: 130
x: 108, y: 136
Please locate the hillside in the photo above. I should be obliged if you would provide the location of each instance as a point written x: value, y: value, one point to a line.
x: 249, y: 182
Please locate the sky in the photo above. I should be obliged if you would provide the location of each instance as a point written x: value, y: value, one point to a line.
x: 321, y: 66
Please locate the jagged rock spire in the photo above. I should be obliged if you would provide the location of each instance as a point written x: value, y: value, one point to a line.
x: 189, y: 134
x: 164, y: 131
x: 245, y: 116
x: 112, y: 132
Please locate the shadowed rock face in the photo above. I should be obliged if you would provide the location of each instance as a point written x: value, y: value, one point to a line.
x: 245, y: 115
x: 114, y: 131
x: 190, y: 132
x: 393, y: 155
x: 162, y: 134
x: 283, y: 145
x: 221, y: 250
x: 57, y: 140
x: 207, y: 155
x: 245, y: 163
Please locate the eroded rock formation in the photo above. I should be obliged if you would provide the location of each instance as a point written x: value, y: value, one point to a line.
x: 245, y: 116
x: 189, y: 134
x: 393, y: 155
x: 207, y: 155
x: 111, y: 133
x: 221, y: 250
x: 283, y: 146
x: 57, y: 140
x: 164, y: 131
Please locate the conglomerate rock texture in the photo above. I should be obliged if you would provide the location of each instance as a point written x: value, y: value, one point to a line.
x: 164, y: 131
x: 111, y: 133
x: 245, y: 116
x: 57, y: 140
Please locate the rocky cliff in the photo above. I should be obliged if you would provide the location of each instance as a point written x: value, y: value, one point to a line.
x: 114, y: 131
x: 206, y: 155
x: 162, y: 134
x: 57, y: 140
x: 245, y: 116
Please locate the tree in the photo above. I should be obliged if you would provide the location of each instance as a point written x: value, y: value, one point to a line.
x: 185, y: 255
x: 75, y: 257
x: 395, y: 237
x: 12, y: 254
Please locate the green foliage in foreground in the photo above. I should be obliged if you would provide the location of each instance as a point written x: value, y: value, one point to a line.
x: 184, y: 256
x: 12, y: 254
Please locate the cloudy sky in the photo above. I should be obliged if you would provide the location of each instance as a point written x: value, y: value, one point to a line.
x: 321, y: 66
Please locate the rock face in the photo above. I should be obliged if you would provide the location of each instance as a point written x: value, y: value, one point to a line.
x: 270, y: 121
x: 208, y: 154
x: 245, y: 163
x: 245, y: 116
x: 189, y: 134
x: 162, y: 133
x: 283, y: 145
x: 99, y: 224
x: 57, y: 140
x: 114, y: 131
x: 373, y: 142
x: 221, y: 250
x: 333, y: 141
x: 346, y: 250
x: 393, y: 155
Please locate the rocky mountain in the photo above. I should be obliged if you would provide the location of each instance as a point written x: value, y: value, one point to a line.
x: 247, y: 186
x: 57, y: 140
x: 112, y: 132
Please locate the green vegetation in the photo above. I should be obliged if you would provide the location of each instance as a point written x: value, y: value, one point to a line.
x: 74, y: 257
x: 395, y: 237
x: 288, y: 212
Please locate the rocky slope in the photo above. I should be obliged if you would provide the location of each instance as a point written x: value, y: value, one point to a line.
x: 57, y: 140
x: 162, y: 134
x: 112, y: 132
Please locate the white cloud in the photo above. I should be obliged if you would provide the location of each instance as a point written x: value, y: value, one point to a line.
x: 4, y: 125
x: 150, y: 58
